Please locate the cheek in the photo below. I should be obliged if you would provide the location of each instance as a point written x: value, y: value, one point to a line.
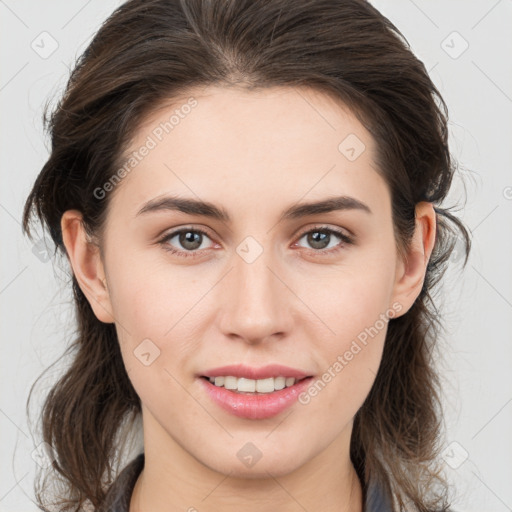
x: 354, y: 306
x: 156, y: 321
x: 153, y: 331
x: 351, y: 301
x: 144, y: 302
x: 350, y: 359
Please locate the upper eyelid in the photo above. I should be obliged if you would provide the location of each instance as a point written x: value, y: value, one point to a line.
x: 177, y: 230
x: 325, y: 227
x: 319, y: 226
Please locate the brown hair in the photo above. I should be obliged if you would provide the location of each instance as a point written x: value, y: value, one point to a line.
x: 149, y: 51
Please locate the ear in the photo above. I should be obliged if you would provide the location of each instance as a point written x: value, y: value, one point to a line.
x: 411, y: 269
x: 85, y: 259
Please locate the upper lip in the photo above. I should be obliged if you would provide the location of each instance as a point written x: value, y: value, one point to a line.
x: 248, y: 372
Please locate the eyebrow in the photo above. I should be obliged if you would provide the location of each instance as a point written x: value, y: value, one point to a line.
x: 206, y: 209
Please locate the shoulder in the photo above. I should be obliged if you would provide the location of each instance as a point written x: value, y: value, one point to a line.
x: 376, y: 499
x: 119, y: 493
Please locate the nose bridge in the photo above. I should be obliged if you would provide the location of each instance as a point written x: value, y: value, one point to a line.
x: 255, y: 304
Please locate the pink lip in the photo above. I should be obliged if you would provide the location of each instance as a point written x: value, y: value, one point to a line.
x: 255, y: 406
x: 240, y: 370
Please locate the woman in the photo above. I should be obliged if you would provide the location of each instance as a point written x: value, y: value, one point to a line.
x: 248, y: 195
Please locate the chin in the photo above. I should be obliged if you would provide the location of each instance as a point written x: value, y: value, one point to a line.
x: 262, y: 469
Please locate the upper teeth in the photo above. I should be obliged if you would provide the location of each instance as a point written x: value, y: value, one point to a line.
x: 251, y: 385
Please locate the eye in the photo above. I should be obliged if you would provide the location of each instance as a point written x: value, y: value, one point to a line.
x: 190, y: 240
x: 321, y: 239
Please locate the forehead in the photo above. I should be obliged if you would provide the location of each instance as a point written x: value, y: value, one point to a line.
x: 238, y: 147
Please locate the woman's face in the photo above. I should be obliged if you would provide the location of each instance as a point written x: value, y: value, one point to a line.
x: 255, y: 289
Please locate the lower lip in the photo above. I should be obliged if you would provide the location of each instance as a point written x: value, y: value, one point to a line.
x: 255, y: 407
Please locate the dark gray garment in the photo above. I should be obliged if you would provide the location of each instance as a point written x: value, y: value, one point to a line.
x: 120, y: 492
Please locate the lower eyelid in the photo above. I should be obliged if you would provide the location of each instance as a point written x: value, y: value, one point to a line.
x: 344, y: 240
x: 165, y: 240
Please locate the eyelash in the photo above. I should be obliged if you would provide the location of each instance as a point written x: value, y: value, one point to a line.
x: 345, y: 240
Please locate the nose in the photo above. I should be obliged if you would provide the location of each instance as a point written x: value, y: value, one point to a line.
x: 256, y: 301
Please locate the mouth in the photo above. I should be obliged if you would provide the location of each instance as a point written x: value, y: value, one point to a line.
x: 254, y: 399
x: 246, y: 386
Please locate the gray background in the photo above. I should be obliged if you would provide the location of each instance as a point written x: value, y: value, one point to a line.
x: 39, y: 42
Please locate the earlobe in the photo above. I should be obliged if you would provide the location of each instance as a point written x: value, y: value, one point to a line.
x: 412, y: 268
x: 85, y: 260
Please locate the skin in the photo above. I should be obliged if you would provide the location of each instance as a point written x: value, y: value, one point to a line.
x: 254, y: 154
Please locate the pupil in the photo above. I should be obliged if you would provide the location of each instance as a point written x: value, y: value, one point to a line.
x: 318, y: 239
x: 192, y: 238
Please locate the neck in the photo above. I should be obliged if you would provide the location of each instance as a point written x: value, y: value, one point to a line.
x: 174, y: 480
x: 232, y: 495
